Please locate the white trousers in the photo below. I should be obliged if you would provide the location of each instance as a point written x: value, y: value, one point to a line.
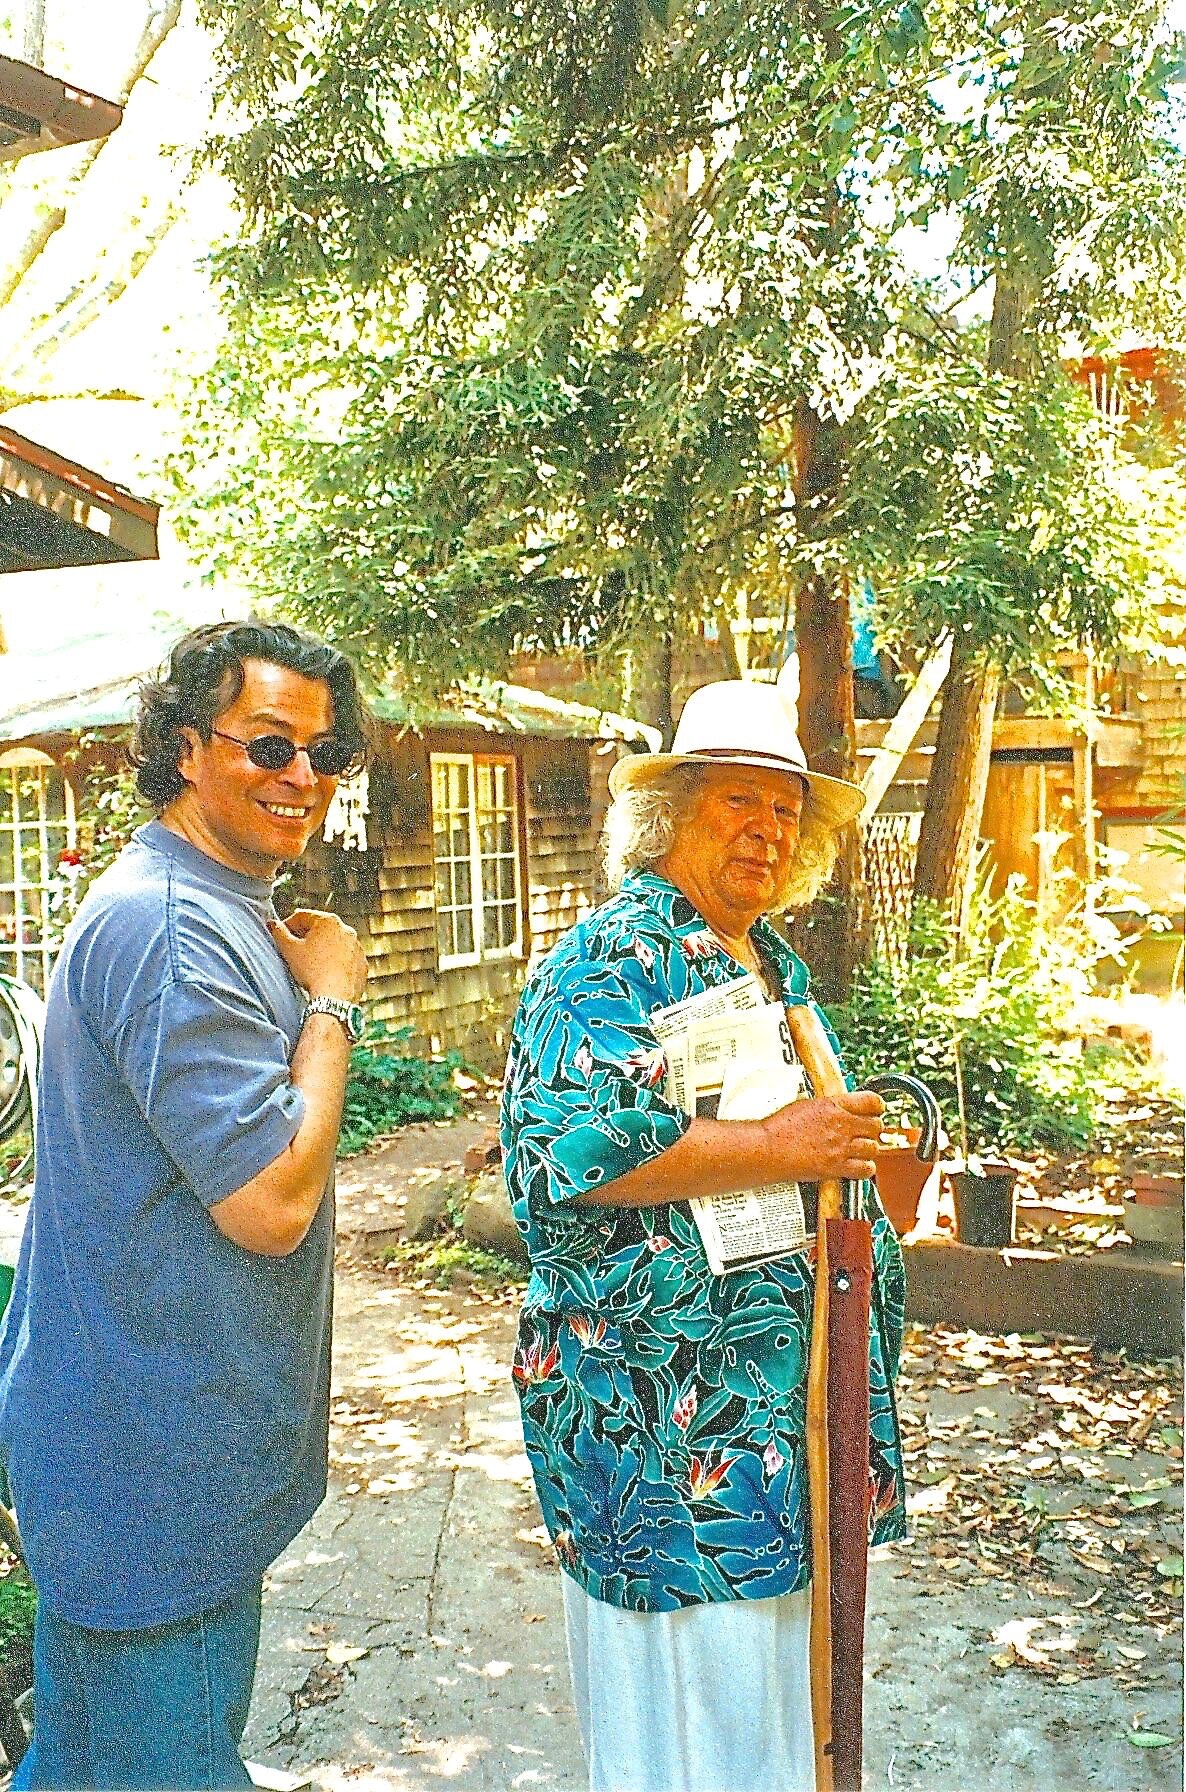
x: 714, y: 1698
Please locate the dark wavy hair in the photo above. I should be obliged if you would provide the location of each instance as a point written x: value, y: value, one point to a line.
x: 205, y: 673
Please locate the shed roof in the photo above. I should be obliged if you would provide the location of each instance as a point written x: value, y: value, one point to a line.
x: 37, y: 111
x: 81, y: 638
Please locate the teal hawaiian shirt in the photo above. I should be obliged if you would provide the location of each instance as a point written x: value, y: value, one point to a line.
x: 663, y: 1406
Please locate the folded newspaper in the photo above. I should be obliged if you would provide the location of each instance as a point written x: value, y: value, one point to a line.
x: 730, y: 1057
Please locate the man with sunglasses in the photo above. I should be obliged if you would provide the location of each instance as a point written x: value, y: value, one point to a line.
x: 164, y: 1366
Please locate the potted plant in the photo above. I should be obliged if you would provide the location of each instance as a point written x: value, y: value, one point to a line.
x: 983, y: 1188
x: 901, y: 1176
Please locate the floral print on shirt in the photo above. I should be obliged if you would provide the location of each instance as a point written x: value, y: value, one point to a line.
x: 663, y: 1407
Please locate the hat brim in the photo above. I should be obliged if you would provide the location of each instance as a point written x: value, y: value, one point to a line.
x: 832, y: 799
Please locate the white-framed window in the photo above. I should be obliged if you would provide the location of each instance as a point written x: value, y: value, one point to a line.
x: 36, y: 827
x: 475, y: 844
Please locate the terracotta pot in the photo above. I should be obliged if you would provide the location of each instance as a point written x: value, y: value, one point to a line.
x: 984, y: 1205
x: 901, y: 1178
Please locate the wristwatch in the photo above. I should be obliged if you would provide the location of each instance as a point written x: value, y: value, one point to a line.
x: 349, y: 1013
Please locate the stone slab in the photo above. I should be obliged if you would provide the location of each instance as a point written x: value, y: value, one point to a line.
x: 1121, y: 1299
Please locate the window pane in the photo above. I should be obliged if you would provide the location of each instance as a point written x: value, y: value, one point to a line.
x: 31, y: 860
x: 499, y: 922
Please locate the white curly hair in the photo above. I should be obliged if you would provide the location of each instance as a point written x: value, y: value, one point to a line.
x: 643, y: 820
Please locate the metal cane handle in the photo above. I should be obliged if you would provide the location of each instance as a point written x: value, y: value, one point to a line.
x: 894, y: 1083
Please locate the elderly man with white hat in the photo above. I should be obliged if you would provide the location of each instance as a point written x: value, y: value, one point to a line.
x: 663, y: 1397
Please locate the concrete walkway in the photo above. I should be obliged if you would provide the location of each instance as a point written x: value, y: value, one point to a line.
x: 427, y: 1557
x: 413, y: 1636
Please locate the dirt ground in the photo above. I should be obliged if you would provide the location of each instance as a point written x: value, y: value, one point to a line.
x: 1025, y: 1640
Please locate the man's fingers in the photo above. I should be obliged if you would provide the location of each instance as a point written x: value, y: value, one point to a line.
x: 863, y: 1101
x: 302, y: 920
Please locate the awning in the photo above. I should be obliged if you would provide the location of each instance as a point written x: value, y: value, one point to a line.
x: 37, y: 111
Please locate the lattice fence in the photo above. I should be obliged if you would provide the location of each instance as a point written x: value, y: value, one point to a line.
x: 890, y: 845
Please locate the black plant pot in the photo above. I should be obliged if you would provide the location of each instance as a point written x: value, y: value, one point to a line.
x: 984, y: 1205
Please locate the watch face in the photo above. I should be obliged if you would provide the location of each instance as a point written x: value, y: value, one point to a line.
x: 356, y: 1021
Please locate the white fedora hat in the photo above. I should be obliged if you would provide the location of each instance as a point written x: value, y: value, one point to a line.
x: 735, y: 722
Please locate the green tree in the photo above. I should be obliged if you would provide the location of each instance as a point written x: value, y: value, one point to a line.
x: 525, y: 307
x: 1071, y: 200
x: 567, y: 326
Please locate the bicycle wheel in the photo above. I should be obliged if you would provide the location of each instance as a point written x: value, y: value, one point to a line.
x: 15, y: 1099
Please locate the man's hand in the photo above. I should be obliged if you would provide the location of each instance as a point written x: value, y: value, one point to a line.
x: 804, y: 1142
x: 273, y: 1212
x: 826, y: 1137
x: 322, y: 953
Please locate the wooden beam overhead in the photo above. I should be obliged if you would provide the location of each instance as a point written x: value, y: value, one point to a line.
x: 37, y: 111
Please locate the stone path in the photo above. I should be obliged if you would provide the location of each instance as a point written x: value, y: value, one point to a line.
x: 413, y: 1637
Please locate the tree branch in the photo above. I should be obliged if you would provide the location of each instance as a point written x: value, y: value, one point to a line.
x: 157, y: 27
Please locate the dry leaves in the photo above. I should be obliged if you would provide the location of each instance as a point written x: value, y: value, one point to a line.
x: 1057, y: 1468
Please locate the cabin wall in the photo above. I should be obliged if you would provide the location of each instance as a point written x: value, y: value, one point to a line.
x: 387, y: 892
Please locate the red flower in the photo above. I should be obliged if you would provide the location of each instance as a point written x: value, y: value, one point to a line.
x: 534, y: 1365
x: 658, y: 1241
x: 70, y: 857
x: 584, y: 1328
x: 703, y: 944
x: 704, y: 1481
x: 649, y: 1066
x: 883, y: 1496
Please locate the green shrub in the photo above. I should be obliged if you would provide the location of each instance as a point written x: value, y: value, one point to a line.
x: 1004, y: 999
x: 438, y: 1259
x: 18, y: 1607
x: 385, y: 1091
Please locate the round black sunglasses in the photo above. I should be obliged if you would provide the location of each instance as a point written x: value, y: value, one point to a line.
x: 275, y: 752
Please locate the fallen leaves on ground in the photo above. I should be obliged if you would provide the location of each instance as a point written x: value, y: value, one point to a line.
x: 1082, y: 1194
x: 1053, y: 1469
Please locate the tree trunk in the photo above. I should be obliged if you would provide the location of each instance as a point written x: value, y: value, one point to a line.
x: 157, y: 26
x: 959, y: 776
x: 828, y: 934
x: 955, y: 792
x: 647, y: 683
x: 727, y: 648
x: 33, y: 48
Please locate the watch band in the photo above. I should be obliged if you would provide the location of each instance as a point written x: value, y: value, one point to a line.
x: 349, y: 1014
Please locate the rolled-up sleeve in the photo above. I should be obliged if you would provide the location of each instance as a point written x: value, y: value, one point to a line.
x: 208, y: 1068
x: 585, y: 1097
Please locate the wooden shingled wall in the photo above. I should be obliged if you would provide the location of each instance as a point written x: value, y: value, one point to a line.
x: 387, y: 892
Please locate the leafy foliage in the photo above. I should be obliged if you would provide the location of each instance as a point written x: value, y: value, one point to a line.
x: 530, y: 308
x: 384, y: 1091
x: 111, y: 811
x: 18, y: 1608
x: 995, y: 507
x: 1004, y: 996
x: 437, y: 1260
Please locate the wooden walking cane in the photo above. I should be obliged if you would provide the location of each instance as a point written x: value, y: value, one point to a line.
x: 838, y: 1428
x: 837, y: 1450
